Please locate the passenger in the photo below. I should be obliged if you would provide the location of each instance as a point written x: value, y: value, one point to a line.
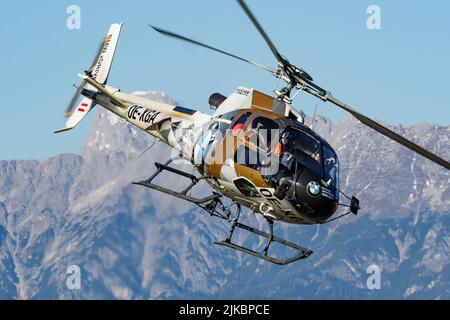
x: 239, y: 125
x: 236, y: 129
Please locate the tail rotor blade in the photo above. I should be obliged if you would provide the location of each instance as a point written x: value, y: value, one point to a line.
x: 74, y: 100
x: 80, y: 88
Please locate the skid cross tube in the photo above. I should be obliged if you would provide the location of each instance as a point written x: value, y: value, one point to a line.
x: 302, y: 252
x: 183, y: 194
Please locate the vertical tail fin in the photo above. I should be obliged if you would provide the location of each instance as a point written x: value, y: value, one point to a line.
x: 99, y: 71
x: 101, y: 67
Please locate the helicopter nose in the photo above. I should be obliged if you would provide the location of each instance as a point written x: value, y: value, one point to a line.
x: 308, y: 193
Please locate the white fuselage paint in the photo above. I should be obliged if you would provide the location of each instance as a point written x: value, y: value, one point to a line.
x: 178, y: 131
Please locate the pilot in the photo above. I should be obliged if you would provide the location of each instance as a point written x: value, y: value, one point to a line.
x: 286, y: 158
x: 316, y: 156
x: 285, y: 168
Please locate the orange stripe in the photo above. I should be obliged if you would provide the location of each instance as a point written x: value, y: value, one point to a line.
x: 261, y: 100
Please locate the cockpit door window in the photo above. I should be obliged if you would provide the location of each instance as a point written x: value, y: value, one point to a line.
x: 263, y: 132
x: 331, y: 168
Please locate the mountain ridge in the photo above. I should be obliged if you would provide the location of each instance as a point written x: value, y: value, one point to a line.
x: 130, y: 242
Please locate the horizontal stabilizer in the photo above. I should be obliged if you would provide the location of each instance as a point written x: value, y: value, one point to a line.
x: 62, y: 130
x: 78, y: 114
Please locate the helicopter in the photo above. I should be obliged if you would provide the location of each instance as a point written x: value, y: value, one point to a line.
x: 253, y: 151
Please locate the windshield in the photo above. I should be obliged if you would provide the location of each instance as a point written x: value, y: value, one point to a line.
x: 304, y: 147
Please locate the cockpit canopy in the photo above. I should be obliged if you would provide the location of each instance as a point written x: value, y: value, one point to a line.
x: 283, y: 139
x: 312, y: 152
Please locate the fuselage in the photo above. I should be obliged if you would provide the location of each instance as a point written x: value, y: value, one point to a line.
x: 236, y: 147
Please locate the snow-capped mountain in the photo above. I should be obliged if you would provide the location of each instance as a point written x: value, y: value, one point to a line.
x: 131, y: 242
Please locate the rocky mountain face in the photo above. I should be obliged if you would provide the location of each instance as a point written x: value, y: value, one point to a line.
x: 130, y: 242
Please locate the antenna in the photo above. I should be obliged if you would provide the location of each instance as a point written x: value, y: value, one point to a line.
x: 314, y: 118
x: 151, y: 146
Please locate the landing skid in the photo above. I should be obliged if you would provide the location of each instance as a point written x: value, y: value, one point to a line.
x: 302, y: 252
x: 215, y: 207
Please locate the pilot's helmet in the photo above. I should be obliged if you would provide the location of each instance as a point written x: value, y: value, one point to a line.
x: 285, y: 137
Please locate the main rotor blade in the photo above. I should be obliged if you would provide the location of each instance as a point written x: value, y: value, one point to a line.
x: 262, y: 32
x: 390, y: 134
x: 179, y: 37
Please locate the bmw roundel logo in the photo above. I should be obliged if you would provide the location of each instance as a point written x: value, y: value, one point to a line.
x: 313, y: 188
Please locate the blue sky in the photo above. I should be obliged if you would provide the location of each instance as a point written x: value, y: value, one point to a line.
x: 398, y: 74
